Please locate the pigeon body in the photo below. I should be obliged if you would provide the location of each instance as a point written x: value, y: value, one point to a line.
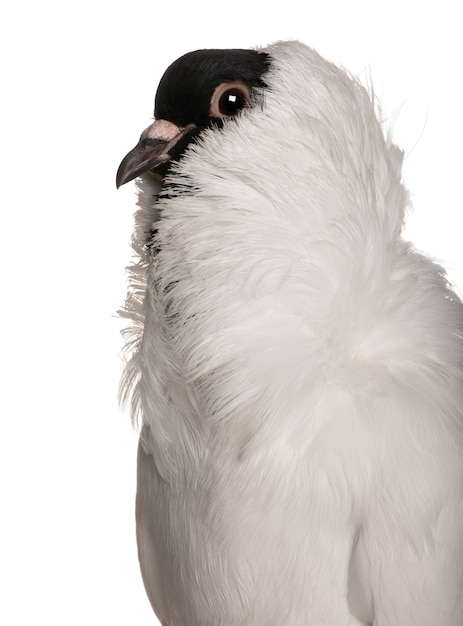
x: 296, y: 365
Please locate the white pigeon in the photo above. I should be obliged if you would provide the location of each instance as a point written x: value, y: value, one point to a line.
x: 296, y: 365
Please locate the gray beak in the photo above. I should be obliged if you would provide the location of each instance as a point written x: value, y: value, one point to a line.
x: 152, y: 150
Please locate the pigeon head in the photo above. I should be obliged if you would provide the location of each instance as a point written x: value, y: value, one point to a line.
x: 199, y: 90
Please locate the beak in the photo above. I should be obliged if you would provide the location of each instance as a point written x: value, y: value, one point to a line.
x: 152, y: 150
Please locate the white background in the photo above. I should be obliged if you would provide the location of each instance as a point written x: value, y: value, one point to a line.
x: 78, y: 84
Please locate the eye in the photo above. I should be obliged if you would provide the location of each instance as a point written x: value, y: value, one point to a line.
x: 228, y: 99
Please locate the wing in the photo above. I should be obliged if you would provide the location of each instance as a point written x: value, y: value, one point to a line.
x: 148, y: 553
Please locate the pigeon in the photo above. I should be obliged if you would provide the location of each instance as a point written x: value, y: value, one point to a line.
x: 294, y: 365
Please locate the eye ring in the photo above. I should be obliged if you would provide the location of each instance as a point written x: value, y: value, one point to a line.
x: 228, y: 99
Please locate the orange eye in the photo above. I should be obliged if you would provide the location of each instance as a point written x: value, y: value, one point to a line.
x: 228, y: 99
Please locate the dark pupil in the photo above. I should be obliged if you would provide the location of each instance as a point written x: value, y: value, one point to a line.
x: 231, y: 101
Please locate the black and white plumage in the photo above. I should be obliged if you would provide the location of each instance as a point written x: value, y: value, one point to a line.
x: 297, y: 366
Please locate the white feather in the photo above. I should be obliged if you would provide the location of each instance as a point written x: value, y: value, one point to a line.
x: 298, y: 370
